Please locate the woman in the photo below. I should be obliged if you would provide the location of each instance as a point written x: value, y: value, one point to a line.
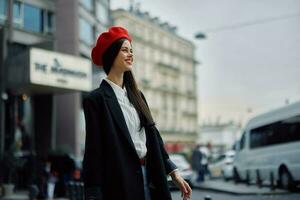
x: 124, y: 156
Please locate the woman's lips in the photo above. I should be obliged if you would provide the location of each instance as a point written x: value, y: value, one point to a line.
x: 129, y: 61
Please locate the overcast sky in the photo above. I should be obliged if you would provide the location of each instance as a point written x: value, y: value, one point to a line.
x: 250, y: 58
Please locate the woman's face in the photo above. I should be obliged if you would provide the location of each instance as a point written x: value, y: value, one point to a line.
x: 123, y: 61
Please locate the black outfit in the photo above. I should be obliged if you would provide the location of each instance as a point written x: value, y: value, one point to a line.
x: 111, y: 166
x: 197, y: 165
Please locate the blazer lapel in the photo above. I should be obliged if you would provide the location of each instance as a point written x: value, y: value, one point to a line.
x: 116, y: 111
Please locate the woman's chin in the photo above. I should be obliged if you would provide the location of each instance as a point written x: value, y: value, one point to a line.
x: 128, y: 68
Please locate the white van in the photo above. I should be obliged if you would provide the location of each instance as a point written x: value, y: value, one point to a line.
x: 269, y: 149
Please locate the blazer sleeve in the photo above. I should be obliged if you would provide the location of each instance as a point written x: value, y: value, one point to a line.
x: 92, y: 168
x: 169, y: 165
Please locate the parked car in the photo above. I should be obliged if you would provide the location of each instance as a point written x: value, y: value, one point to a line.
x: 184, y: 169
x: 222, y: 166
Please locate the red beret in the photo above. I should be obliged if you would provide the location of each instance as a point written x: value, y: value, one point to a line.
x: 105, y: 40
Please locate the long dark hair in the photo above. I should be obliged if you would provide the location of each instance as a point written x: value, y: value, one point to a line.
x: 134, y: 95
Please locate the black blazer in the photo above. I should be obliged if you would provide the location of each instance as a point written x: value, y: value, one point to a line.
x: 111, y: 166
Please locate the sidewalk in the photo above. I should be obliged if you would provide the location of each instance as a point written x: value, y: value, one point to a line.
x: 23, y: 195
x: 230, y: 187
x: 19, y: 195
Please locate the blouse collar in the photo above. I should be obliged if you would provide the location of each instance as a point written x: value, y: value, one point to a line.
x: 119, y: 91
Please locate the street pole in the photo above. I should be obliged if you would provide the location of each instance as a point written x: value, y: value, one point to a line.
x: 5, y: 37
x: 2, y: 89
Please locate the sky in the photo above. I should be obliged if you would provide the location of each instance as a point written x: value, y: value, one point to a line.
x: 249, y: 62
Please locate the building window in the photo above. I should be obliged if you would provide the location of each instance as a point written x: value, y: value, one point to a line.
x: 3, y: 9
x: 17, y: 12
x: 3, y: 5
x: 88, y: 4
x: 86, y: 32
x: 32, y: 18
x: 28, y: 17
x: 102, y: 13
x: 48, y: 22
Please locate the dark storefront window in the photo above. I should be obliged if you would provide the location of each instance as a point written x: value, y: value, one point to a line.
x: 32, y: 18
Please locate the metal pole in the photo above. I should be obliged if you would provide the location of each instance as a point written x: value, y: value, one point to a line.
x: 2, y: 89
x: 5, y: 37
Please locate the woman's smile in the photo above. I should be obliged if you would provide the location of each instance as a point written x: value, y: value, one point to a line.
x: 129, y: 61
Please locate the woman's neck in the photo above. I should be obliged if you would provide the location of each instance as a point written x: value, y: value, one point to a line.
x: 116, y: 78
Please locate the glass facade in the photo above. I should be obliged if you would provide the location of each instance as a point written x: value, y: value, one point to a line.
x: 3, y: 7
x: 17, y: 12
x: 102, y: 13
x: 32, y: 18
x: 28, y: 17
x: 86, y: 32
x: 88, y: 4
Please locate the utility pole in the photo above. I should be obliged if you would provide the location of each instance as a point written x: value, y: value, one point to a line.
x: 2, y: 88
x: 5, y: 37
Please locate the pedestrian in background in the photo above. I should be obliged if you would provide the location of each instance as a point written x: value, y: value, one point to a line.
x: 197, y: 163
x: 204, y: 161
x: 124, y: 154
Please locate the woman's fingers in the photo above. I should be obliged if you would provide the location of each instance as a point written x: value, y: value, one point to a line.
x: 184, y: 187
x: 186, y: 191
x: 189, y: 189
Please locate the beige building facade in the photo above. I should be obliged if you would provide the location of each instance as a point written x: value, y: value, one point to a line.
x: 165, y: 69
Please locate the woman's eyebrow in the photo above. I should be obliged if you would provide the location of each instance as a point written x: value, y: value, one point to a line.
x: 126, y: 48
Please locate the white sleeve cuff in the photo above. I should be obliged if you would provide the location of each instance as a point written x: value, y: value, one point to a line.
x: 172, y: 171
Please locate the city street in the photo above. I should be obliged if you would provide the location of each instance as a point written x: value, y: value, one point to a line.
x: 99, y: 98
x: 200, y: 195
x: 218, y: 189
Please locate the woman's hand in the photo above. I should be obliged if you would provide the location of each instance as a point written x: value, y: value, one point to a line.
x: 184, y: 187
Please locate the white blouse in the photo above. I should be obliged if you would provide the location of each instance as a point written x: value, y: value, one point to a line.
x: 132, y: 119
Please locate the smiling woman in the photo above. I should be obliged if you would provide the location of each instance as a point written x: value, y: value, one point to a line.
x: 124, y: 154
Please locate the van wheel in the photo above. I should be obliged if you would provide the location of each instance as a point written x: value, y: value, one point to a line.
x: 247, y: 177
x: 286, y: 180
x: 258, y: 179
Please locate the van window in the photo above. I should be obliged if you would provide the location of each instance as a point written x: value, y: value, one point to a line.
x: 242, y: 141
x: 261, y: 136
x: 291, y: 129
x: 276, y: 133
